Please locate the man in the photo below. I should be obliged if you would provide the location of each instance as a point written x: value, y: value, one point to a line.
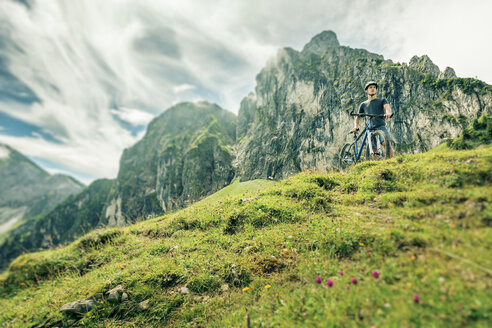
x: 375, y: 105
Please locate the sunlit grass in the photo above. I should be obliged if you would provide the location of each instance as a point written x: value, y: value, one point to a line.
x: 422, y: 222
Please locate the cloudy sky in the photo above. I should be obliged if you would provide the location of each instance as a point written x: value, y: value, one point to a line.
x: 79, y: 80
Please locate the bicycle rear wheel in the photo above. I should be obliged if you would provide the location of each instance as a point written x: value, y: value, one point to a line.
x: 382, y: 149
x: 347, y: 156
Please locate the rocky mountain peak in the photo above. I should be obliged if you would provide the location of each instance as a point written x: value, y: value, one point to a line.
x: 447, y: 73
x: 320, y: 42
x: 424, y: 65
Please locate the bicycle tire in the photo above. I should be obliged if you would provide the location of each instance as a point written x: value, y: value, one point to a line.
x: 366, y: 153
x: 381, y: 152
x: 347, y: 156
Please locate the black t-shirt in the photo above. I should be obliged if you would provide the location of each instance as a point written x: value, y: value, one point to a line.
x: 375, y: 106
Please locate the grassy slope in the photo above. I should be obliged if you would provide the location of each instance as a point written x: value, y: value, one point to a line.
x: 422, y: 221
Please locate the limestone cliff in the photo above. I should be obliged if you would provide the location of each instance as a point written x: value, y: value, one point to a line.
x: 185, y: 155
x: 298, y: 116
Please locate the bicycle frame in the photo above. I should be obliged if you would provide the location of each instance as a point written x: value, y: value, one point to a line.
x: 367, y: 136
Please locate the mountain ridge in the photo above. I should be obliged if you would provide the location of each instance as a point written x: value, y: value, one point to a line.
x: 26, y: 190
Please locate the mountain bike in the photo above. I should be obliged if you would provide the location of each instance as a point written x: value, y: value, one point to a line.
x: 352, y: 154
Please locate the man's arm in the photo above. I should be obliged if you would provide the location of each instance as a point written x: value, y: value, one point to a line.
x: 356, y: 124
x: 387, y: 109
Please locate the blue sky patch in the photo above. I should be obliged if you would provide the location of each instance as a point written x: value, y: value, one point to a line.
x: 17, y: 128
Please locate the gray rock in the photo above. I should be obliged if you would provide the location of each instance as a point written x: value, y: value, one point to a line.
x: 144, y: 305
x: 424, y: 65
x: 115, y: 295
x: 96, y: 297
x: 447, y: 74
x: 184, y: 290
x: 77, y: 307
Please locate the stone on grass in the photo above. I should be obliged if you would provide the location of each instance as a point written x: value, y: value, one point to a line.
x: 78, y: 307
x: 115, y: 295
x: 144, y: 305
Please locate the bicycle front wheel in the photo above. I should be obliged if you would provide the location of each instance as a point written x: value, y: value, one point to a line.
x: 347, y: 156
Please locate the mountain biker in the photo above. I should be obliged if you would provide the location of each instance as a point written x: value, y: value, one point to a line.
x: 374, y: 105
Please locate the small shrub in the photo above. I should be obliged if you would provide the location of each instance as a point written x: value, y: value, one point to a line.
x: 98, y: 238
x: 204, y: 284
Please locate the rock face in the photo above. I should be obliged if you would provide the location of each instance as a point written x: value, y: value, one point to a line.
x: 186, y: 154
x: 424, y: 65
x: 26, y: 190
x: 298, y: 116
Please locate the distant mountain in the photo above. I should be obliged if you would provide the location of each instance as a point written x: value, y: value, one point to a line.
x: 185, y: 155
x: 77, y: 215
x: 26, y: 190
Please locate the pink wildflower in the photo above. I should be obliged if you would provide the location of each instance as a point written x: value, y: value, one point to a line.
x: 341, y: 273
x: 318, y: 279
x: 416, y: 298
x: 329, y: 282
x: 375, y: 274
x: 354, y: 281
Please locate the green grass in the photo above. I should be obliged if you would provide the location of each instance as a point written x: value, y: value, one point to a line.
x: 423, y: 222
x: 478, y: 133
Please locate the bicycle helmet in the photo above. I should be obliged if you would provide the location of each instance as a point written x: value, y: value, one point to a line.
x: 370, y: 83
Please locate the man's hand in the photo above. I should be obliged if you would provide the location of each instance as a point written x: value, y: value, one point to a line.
x: 355, y: 129
x: 387, y: 109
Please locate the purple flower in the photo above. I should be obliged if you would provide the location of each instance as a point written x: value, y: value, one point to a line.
x: 347, y: 287
x: 341, y: 273
x: 318, y: 279
x: 367, y: 250
x: 354, y: 281
x: 375, y: 274
x: 329, y: 282
x: 416, y: 298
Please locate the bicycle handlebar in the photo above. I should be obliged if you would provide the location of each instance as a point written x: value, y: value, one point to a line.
x: 368, y: 115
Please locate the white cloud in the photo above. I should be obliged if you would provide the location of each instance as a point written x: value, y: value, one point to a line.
x: 88, y: 157
x: 133, y: 116
x: 183, y: 87
x: 84, y: 59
